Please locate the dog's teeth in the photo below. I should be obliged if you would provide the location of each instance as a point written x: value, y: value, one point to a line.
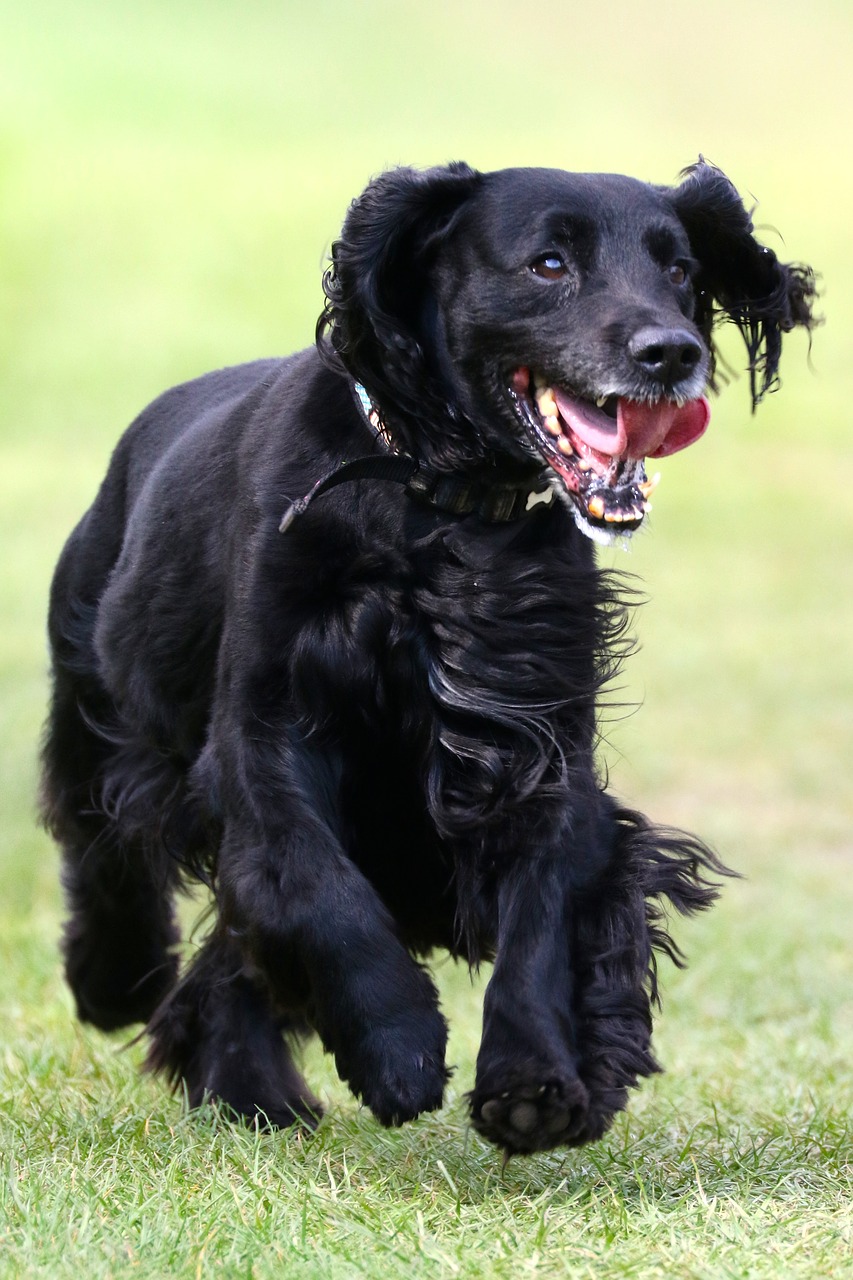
x: 647, y: 506
x: 601, y: 401
x: 565, y: 445
x: 613, y: 517
x: 552, y: 424
x: 539, y: 381
x: 595, y: 506
x: 648, y: 488
x: 585, y: 464
x: 546, y: 402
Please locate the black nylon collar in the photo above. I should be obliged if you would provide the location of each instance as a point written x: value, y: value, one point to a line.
x: 455, y: 493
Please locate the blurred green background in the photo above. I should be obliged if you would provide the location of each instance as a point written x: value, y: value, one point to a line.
x: 171, y: 177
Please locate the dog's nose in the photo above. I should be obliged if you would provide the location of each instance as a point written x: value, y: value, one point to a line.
x: 668, y: 355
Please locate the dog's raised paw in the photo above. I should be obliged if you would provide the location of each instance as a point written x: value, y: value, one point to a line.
x: 395, y: 1075
x: 532, y: 1117
x: 396, y: 1096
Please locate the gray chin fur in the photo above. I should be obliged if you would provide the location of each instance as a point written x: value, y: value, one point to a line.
x: 604, y: 537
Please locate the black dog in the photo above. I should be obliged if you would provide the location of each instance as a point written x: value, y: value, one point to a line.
x: 371, y: 724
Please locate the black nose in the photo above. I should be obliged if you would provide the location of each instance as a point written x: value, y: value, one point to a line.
x: 668, y: 355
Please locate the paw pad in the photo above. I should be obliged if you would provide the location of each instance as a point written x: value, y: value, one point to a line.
x: 533, y: 1117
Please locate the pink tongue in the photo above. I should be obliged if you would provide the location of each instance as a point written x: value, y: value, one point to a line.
x: 595, y: 428
x: 656, y: 430
x: 639, y: 430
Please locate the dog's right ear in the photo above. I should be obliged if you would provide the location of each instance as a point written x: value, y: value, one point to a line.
x: 375, y: 287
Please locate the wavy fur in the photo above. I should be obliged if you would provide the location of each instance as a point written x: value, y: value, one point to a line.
x: 375, y: 735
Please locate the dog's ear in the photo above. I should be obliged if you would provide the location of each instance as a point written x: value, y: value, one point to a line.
x: 374, y: 318
x: 739, y: 277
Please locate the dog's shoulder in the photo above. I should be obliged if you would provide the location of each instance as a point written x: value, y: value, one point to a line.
x: 198, y: 406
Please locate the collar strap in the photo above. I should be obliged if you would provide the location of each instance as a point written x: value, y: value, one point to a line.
x: 455, y: 493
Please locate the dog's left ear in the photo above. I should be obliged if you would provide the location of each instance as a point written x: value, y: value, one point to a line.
x: 738, y: 276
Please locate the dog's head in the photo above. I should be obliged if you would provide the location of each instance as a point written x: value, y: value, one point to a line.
x: 532, y: 319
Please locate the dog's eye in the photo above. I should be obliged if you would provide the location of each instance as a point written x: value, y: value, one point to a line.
x: 678, y: 273
x: 549, y: 267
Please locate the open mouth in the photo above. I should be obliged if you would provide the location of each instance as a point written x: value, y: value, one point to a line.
x: 598, y: 448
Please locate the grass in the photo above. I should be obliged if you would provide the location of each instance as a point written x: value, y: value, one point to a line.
x: 170, y: 178
x: 732, y: 1165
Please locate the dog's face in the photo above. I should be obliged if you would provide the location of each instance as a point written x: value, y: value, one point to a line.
x: 554, y: 321
x: 567, y: 306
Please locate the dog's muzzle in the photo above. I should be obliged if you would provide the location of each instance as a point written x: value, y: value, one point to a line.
x: 597, y: 448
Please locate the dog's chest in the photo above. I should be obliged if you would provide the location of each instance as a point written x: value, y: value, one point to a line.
x: 466, y: 685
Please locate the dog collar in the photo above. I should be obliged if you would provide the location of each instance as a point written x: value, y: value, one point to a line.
x: 452, y: 492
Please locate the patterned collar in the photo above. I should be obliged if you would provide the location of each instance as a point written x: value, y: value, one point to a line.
x: 453, y: 492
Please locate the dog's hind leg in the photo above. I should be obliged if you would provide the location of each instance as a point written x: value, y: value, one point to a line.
x: 218, y: 1035
x: 120, y: 932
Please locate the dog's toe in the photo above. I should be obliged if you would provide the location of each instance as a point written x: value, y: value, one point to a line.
x: 395, y: 1100
x: 394, y: 1074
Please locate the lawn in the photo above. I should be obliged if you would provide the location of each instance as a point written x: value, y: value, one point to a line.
x: 170, y: 178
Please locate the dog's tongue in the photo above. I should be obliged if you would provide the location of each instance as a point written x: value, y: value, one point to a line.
x: 656, y: 430
x: 638, y: 430
x: 593, y: 426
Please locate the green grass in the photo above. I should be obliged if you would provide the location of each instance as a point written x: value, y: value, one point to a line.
x: 170, y: 178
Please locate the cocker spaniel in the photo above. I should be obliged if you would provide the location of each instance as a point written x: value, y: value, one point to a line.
x: 331, y: 637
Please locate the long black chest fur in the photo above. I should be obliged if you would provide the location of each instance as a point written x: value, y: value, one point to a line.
x: 453, y: 671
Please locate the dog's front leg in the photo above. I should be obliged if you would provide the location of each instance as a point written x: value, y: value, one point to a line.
x: 568, y: 1013
x: 326, y: 945
x: 528, y: 1094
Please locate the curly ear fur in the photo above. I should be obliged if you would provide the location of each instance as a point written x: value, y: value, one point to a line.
x: 376, y: 315
x: 739, y: 277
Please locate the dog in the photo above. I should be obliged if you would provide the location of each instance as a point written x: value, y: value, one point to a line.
x: 332, y: 639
